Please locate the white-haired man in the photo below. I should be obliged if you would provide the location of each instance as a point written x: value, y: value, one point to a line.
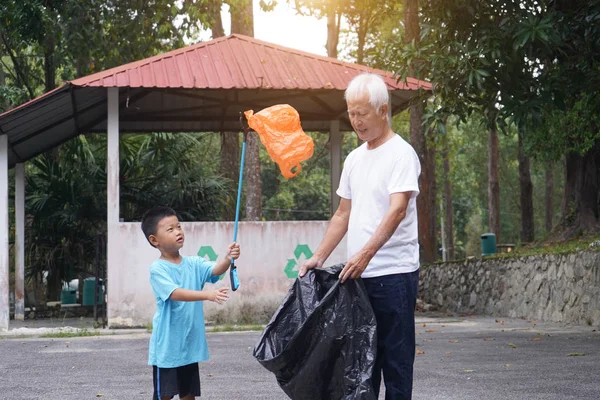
x: 378, y: 190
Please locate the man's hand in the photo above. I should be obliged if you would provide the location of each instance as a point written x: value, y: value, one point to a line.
x: 356, y: 265
x: 219, y: 296
x: 233, y: 251
x: 311, y: 263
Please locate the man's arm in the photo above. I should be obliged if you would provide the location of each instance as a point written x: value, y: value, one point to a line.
x: 395, y: 214
x: 336, y: 229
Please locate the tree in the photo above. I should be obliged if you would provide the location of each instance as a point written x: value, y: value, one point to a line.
x: 66, y: 208
x: 426, y: 200
x: 333, y: 10
x: 448, y: 206
x: 48, y: 40
x: 242, y: 22
x: 476, y: 54
x: 549, y: 200
x: 568, y: 118
x: 526, y: 194
x: 372, y: 22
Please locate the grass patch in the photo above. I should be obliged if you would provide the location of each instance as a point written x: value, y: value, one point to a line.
x: 571, y: 246
x: 71, y: 334
x: 236, y: 328
x: 540, y: 248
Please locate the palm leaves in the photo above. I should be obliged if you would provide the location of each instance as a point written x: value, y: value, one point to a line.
x: 66, y: 194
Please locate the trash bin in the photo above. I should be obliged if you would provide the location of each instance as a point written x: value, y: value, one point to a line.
x: 488, y: 244
x: 88, y: 291
x: 68, y: 296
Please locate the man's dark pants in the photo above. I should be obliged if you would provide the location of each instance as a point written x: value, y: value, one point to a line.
x: 393, y: 298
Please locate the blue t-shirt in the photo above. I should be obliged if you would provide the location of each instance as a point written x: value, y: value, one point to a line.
x: 178, y: 335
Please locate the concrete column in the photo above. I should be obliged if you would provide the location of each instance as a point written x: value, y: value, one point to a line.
x: 19, y: 241
x: 4, y: 258
x: 112, y: 190
x: 335, y: 163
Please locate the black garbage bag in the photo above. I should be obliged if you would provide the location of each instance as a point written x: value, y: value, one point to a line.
x: 321, y: 342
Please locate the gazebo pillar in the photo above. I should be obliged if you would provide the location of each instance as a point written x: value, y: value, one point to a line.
x: 335, y: 164
x: 4, y: 258
x: 20, y: 241
x: 112, y: 182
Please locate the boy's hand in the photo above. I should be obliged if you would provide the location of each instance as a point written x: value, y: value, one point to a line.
x: 219, y: 296
x: 233, y: 251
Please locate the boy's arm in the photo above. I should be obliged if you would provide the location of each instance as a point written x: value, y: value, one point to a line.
x: 217, y: 296
x: 233, y: 252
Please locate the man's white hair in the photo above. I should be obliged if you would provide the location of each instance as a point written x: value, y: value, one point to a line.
x: 368, y: 84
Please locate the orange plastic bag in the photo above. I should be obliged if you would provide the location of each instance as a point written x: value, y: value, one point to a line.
x: 280, y: 132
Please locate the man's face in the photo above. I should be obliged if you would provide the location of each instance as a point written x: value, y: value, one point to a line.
x: 169, y: 235
x: 366, y: 121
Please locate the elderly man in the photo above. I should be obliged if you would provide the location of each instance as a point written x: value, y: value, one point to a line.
x: 378, y: 190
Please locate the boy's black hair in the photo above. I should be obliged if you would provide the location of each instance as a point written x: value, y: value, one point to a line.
x: 152, y: 217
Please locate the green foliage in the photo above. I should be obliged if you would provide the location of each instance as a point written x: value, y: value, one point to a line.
x: 306, y: 196
x: 573, y: 130
x: 66, y: 194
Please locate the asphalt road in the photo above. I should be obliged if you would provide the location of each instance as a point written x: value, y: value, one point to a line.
x: 460, y: 358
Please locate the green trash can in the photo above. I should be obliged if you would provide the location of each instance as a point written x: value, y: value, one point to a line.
x: 488, y: 244
x: 88, y: 292
x: 68, y: 296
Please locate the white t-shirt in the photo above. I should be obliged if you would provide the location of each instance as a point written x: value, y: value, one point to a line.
x: 368, y: 179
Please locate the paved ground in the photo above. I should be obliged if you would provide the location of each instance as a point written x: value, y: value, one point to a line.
x: 462, y: 358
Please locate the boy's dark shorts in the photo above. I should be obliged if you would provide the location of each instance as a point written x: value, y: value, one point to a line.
x: 181, y: 381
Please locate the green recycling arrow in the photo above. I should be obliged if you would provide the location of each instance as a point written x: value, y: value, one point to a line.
x: 289, y: 269
x: 301, y: 250
x: 208, y: 252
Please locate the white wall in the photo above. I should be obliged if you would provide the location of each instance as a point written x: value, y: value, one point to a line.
x: 266, y: 248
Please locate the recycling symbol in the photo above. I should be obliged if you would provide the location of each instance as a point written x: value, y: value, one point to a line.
x: 207, y: 252
x: 301, y: 250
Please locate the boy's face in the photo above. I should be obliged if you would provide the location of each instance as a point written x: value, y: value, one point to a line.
x: 169, y: 235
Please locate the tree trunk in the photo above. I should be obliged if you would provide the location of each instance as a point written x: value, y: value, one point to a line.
x: 493, y: 183
x: 432, y: 192
x: 49, y: 69
x: 242, y: 17
x: 216, y: 27
x: 333, y: 29
x: 449, y: 209
x: 242, y: 22
x: 362, y: 38
x: 53, y: 284
x: 252, y: 179
x: 229, y: 166
x: 417, y: 139
x: 527, y: 222
x: 580, y: 206
x: 426, y: 186
x: 549, y: 196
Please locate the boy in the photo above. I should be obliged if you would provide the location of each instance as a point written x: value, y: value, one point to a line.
x: 178, y: 339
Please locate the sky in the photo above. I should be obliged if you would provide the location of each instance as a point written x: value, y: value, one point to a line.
x: 285, y: 27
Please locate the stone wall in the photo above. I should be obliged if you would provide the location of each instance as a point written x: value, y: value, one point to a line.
x: 559, y: 288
